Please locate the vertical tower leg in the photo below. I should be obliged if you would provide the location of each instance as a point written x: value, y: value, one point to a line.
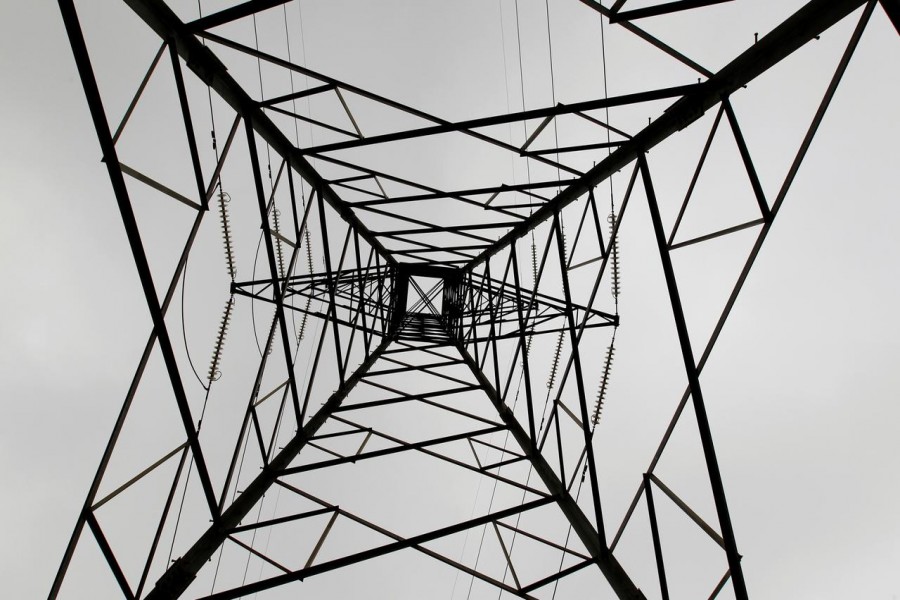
x: 693, y: 374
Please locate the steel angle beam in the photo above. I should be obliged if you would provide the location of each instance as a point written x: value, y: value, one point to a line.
x: 213, y: 72
x: 781, y: 42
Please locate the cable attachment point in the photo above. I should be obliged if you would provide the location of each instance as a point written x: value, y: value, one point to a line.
x: 214, y: 372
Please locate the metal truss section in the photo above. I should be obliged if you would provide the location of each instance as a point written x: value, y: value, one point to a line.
x: 405, y: 335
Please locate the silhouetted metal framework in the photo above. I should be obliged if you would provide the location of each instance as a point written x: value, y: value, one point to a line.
x: 484, y: 305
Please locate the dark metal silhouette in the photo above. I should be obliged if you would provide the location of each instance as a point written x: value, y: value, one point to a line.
x: 485, y: 305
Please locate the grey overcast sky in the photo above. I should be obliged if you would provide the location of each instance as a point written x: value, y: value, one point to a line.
x: 804, y: 386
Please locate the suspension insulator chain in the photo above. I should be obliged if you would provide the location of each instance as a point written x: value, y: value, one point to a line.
x: 272, y: 334
x: 225, y: 219
x: 301, y: 332
x: 555, y: 365
x: 279, y: 253
x: 604, y: 382
x: 214, y: 372
x: 614, y: 257
x: 309, y: 256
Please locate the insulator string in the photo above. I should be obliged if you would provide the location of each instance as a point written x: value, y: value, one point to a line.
x: 555, y: 364
x: 309, y: 260
x: 279, y: 251
x: 604, y: 381
x: 615, y: 274
x: 214, y: 373
x: 227, y: 243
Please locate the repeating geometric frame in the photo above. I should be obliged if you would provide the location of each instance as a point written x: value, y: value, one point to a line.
x: 469, y: 332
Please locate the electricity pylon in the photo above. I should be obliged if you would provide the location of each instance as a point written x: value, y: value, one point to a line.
x: 388, y: 327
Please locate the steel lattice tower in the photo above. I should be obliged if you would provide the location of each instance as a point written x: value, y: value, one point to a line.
x: 395, y: 320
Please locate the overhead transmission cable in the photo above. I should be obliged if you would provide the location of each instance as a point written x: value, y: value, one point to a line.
x: 563, y: 261
x: 615, y: 288
x: 213, y: 372
x: 528, y: 175
x: 513, y: 170
x: 302, y: 328
x: 526, y: 350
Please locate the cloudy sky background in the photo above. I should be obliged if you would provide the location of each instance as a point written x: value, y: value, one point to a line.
x: 807, y: 438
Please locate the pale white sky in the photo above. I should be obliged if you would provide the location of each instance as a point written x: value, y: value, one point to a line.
x: 803, y: 388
